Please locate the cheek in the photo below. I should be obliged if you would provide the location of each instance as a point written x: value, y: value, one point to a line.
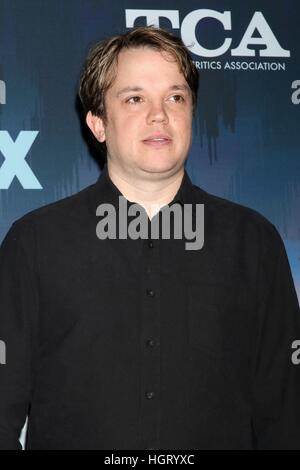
x: 127, y: 134
x: 128, y: 126
x: 183, y: 128
x: 117, y: 131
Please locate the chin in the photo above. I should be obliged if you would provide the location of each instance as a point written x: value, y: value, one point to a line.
x: 160, y: 166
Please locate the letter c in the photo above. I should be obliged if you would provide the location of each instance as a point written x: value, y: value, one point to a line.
x: 188, y: 30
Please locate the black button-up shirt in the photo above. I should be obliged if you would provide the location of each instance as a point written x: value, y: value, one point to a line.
x: 136, y: 344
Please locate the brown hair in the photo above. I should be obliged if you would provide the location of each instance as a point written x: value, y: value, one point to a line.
x: 100, y: 67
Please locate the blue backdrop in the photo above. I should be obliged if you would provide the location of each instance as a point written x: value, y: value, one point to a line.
x: 246, y: 133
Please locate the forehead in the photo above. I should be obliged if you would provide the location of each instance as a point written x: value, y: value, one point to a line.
x: 145, y: 65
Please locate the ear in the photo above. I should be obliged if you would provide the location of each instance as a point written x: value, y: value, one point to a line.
x: 96, y: 125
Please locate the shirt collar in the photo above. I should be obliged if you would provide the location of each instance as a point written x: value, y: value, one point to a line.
x: 107, y: 191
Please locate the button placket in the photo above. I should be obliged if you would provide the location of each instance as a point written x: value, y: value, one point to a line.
x: 150, y: 331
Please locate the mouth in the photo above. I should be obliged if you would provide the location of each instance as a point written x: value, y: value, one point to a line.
x: 157, y: 141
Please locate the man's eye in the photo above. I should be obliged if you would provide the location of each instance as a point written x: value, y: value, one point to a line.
x: 177, y: 98
x: 134, y: 100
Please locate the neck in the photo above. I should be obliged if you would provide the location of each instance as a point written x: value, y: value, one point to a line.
x: 151, y: 194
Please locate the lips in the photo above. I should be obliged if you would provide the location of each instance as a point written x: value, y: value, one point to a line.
x: 157, y: 140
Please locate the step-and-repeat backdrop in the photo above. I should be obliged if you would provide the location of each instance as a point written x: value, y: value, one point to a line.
x: 246, y: 133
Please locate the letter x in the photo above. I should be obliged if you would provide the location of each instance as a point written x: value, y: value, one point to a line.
x: 14, y: 164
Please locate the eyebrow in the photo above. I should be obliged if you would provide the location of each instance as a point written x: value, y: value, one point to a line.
x: 128, y: 89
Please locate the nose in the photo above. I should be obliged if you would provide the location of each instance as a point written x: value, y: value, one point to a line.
x: 157, y: 113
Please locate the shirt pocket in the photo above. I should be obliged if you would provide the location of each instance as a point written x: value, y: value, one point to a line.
x: 205, y: 319
x: 214, y: 380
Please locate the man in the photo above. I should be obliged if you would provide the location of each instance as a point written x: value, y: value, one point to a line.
x: 138, y: 342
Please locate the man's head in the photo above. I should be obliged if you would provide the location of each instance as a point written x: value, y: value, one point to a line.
x: 138, y: 91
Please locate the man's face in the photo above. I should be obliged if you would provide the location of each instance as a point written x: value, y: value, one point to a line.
x: 149, y: 115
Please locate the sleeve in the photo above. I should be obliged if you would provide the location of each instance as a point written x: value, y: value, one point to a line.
x: 18, y: 325
x: 276, y: 384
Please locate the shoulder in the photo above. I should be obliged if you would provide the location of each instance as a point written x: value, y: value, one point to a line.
x: 64, y: 212
x: 238, y: 219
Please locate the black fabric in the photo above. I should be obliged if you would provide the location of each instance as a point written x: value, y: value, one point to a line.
x: 124, y: 344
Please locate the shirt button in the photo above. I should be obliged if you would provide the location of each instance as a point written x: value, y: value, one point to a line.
x: 149, y: 395
x: 150, y: 342
x: 150, y: 244
x: 150, y: 292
